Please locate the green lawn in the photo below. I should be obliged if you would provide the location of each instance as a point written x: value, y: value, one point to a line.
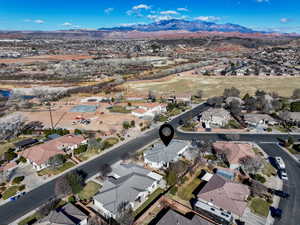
x: 151, y: 197
x: 119, y: 109
x: 33, y: 218
x: 259, y: 206
x: 90, y: 189
x: 112, y: 140
x: 49, y: 171
x: 11, y: 191
x: 185, y: 192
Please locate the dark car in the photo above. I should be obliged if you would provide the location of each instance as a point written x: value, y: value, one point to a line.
x: 275, y: 212
x: 279, y: 193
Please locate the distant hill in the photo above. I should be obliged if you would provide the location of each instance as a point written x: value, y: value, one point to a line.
x: 176, y: 24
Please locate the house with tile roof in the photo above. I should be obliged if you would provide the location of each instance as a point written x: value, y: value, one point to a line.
x: 234, y: 152
x: 67, y: 215
x: 225, y: 194
x: 132, y: 186
x: 148, y: 109
x: 39, y: 155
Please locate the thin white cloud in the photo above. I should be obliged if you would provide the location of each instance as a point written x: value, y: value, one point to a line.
x: 108, y: 10
x: 182, y: 9
x: 141, y: 6
x: 39, y: 21
x: 285, y: 20
x: 67, y: 24
x: 208, y: 18
x: 262, y: 1
x: 169, y: 12
x: 130, y: 24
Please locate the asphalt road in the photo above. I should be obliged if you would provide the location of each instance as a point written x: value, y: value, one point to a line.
x: 35, y: 198
x: 290, y: 206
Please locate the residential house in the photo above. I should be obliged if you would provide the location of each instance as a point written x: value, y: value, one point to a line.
x: 8, y: 169
x: 67, y: 215
x: 225, y: 194
x: 127, y: 183
x: 39, y: 155
x: 159, y: 156
x: 255, y: 120
x: 148, y: 109
x: 215, y: 117
x: 234, y: 152
x: 172, y: 217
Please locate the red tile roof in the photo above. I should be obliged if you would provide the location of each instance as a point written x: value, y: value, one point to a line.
x: 40, y: 154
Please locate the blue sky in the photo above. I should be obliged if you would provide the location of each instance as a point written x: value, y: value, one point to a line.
x: 276, y: 15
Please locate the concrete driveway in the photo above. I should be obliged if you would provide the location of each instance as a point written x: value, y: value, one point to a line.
x: 253, y: 219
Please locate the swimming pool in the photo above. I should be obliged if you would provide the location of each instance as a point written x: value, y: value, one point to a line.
x: 84, y: 108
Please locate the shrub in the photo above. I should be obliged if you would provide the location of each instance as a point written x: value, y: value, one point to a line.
x: 77, y: 131
x: 10, y: 156
x: 269, y: 129
x: 210, y: 157
x: 71, y: 199
x: 295, y: 107
x: 173, y: 190
x: 80, y: 149
x: 22, y: 159
x: 259, y: 178
x: 22, y: 187
x: 18, y: 180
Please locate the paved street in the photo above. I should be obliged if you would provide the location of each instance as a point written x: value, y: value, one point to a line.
x: 13, y: 210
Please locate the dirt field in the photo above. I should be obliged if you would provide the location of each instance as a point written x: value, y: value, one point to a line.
x: 45, y: 58
x: 102, y: 119
x: 187, y: 83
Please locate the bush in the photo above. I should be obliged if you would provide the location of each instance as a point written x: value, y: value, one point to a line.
x: 80, y: 149
x: 258, y: 177
x: 210, y: 157
x: 77, y: 131
x: 173, y: 190
x: 269, y: 129
x: 18, y: 180
x: 10, y: 155
x: 71, y: 199
x: 295, y: 107
x: 22, y: 187
x: 22, y: 159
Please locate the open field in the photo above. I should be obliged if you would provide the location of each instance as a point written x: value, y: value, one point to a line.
x: 213, y: 85
x: 45, y: 58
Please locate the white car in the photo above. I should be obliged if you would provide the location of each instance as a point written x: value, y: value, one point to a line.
x: 283, y: 175
x: 280, y: 162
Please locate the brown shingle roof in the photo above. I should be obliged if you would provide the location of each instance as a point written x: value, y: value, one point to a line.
x: 225, y: 194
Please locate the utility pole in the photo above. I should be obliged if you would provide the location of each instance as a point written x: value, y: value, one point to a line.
x: 51, y: 119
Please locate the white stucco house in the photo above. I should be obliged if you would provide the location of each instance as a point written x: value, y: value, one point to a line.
x: 159, y: 156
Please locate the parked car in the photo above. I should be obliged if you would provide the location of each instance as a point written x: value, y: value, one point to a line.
x: 275, y: 212
x: 282, y: 174
x: 280, y: 162
x: 279, y: 193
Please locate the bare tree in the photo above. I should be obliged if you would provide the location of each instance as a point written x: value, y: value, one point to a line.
x: 62, y: 187
x: 125, y: 214
x: 105, y: 169
x: 199, y: 94
x: 250, y: 164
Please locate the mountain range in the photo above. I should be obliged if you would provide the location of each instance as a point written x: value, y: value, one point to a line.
x: 178, y: 24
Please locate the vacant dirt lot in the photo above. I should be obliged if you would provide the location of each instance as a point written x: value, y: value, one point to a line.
x: 214, y: 85
x: 45, y: 58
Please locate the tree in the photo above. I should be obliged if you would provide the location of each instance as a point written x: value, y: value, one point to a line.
x: 234, y: 107
x: 56, y: 161
x: 77, y: 131
x: 125, y: 214
x: 76, y: 181
x: 62, y: 187
x: 93, y: 145
x: 125, y: 156
x: 151, y: 96
x: 126, y: 125
x: 199, y: 94
x: 96, y: 220
x: 231, y: 92
x: 276, y: 104
x: 250, y: 164
x: 105, y: 169
x: 179, y: 167
x: 132, y: 123
x: 215, y: 101
x: 296, y: 93
x: 45, y: 209
x: 250, y: 104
